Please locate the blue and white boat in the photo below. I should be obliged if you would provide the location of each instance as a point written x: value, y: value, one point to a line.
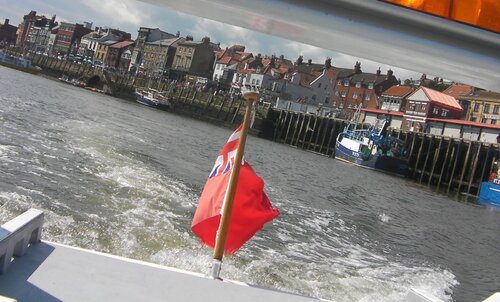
x: 152, y: 98
x: 489, y: 193
x: 369, y: 148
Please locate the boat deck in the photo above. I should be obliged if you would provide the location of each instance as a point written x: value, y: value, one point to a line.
x: 50, y: 272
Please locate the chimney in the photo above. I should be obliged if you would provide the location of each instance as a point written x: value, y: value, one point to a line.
x: 328, y: 62
x: 178, y: 34
x: 378, y: 71
x: 357, y: 67
x: 389, y: 73
x: 189, y: 38
x: 299, y: 60
x: 6, y: 22
x: 282, y: 57
x: 205, y: 40
x: 309, y: 62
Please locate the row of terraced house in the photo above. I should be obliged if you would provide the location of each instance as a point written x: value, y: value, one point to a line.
x: 323, y: 89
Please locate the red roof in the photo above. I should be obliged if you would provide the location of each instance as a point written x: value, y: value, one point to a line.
x: 459, y: 90
x: 380, y: 111
x: 441, y: 98
x: 465, y: 123
x: 398, y: 91
x: 122, y: 44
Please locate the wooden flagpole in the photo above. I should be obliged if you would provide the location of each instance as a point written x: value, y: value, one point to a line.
x: 221, y: 237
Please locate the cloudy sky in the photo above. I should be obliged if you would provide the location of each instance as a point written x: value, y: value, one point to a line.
x: 129, y: 15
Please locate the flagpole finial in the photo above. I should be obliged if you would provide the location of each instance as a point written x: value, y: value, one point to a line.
x: 251, y: 96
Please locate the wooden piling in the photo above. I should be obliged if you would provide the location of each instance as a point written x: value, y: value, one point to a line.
x: 464, y: 168
x: 418, y: 155
x: 300, y: 129
x: 434, y: 161
x: 309, y: 116
x: 324, y: 136
x: 474, y: 167
x: 312, y: 134
x: 431, y: 144
x: 329, y: 150
x: 457, y: 156
x: 277, y: 127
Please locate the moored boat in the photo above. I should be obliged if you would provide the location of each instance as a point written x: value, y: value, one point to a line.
x: 369, y: 148
x: 489, y: 193
x: 152, y: 98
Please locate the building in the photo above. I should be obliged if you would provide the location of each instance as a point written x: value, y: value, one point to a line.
x: 144, y: 35
x: 231, y: 58
x: 483, y: 108
x: 7, y: 33
x: 89, y: 42
x: 425, y: 103
x: 34, y: 32
x: 102, y: 52
x: 158, y: 56
x: 459, y: 90
x: 68, y: 38
x: 194, y: 58
x: 394, y: 98
x: 115, y: 55
x: 361, y: 89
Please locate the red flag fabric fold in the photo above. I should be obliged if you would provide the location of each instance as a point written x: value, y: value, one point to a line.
x: 251, y: 206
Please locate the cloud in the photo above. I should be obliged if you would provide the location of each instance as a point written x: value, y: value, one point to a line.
x: 119, y: 12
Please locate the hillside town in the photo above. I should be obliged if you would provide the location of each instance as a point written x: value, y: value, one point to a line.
x: 435, y: 106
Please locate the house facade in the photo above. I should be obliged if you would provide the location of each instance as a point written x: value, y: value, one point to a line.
x: 144, y: 35
x: 425, y: 103
x: 158, y: 56
x: 484, y: 108
x: 194, y: 58
x: 394, y: 98
x: 68, y: 38
x: 7, y: 33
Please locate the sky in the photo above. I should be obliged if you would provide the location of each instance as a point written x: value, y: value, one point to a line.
x: 129, y: 15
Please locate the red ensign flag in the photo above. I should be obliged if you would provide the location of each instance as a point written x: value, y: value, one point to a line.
x: 251, y: 207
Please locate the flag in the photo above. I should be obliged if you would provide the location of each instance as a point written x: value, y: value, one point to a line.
x: 251, y: 206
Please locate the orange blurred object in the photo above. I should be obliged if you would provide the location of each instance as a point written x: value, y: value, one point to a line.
x: 480, y: 13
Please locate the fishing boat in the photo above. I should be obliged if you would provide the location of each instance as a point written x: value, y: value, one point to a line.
x: 489, y: 194
x: 18, y: 63
x: 152, y: 98
x: 369, y: 148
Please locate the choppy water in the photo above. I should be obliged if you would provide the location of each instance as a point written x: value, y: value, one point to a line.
x: 119, y: 177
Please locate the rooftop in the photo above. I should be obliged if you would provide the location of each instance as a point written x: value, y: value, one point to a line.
x: 398, y: 91
x: 441, y: 98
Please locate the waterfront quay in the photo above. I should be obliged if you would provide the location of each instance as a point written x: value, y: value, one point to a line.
x: 453, y: 166
x: 450, y: 165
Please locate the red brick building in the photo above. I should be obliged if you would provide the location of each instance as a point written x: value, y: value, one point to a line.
x: 361, y: 89
x: 115, y: 53
x: 68, y: 38
x: 7, y: 33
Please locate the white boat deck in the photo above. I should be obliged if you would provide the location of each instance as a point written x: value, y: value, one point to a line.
x: 51, y: 272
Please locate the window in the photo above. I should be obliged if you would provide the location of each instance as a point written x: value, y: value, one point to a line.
x: 486, y: 108
x: 473, y: 119
x: 346, y: 83
x: 358, y: 84
x: 493, y: 121
x: 370, y: 86
x: 484, y: 120
x: 339, y: 82
x: 423, y: 107
x: 355, y: 96
x: 344, y: 93
x: 435, y: 110
x: 253, y: 81
x: 444, y: 113
x: 496, y: 108
x: 476, y: 107
x: 368, y: 97
x: 336, y: 93
x: 257, y: 82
